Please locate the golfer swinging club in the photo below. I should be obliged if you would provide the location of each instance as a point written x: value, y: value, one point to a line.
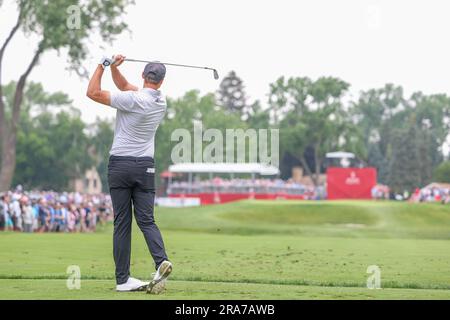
x: 131, y: 169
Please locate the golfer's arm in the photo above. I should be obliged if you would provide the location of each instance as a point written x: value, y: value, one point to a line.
x: 120, y: 81
x: 95, y: 91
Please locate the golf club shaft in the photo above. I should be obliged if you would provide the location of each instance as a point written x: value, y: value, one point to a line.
x: 171, y: 64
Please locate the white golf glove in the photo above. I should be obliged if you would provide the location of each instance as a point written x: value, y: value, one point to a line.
x: 106, y: 62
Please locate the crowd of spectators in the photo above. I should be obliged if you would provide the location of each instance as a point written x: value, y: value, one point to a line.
x: 434, y: 192
x: 380, y: 192
x: 48, y: 211
x: 236, y: 186
x: 245, y: 186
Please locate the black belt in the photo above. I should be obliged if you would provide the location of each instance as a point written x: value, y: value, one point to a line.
x: 129, y: 158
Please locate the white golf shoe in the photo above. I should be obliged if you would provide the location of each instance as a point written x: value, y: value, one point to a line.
x: 158, y: 288
x: 164, y: 270
x: 132, y: 284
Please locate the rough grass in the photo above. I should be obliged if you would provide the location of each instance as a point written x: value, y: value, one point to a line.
x: 241, y: 251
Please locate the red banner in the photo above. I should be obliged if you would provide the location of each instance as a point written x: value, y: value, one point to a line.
x: 350, y: 183
x: 215, y: 198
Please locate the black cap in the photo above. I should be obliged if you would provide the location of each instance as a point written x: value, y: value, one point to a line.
x: 155, y: 71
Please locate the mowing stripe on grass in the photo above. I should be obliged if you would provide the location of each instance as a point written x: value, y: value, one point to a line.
x: 300, y: 282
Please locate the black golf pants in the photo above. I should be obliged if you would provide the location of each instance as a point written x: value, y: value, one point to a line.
x: 132, y: 186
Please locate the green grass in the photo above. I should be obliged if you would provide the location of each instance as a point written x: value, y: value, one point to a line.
x: 333, y: 218
x: 102, y: 289
x: 252, y: 250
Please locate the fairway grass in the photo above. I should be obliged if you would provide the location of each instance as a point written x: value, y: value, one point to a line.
x: 202, y: 290
x: 241, y: 251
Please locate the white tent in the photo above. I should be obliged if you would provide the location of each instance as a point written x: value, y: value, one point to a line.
x: 252, y: 168
x: 340, y: 154
x: 230, y: 168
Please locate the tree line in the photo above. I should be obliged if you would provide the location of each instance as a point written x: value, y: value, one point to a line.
x: 44, y: 143
x: 401, y: 136
x: 52, y: 25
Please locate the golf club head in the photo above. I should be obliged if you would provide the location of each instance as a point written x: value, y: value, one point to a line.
x: 216, y: 74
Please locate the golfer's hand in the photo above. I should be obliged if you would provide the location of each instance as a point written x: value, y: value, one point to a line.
x: 118, y: 60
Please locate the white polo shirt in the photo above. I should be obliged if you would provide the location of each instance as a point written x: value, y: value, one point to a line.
x: 139, y: 114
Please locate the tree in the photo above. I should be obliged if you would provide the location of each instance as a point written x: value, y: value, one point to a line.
x: 57, y: 145
x: 257, y: 117
x: 181, y: 114
x: 377, y: 113
x: 314, y: 133
x: 313, y: 120
x: 102, y: 138
x: 387, y: 121
x: 49, y: 21
x: 51, y: 142
x: 432, y: 115
x: 405, y: 161
x: 442, y: 172
x: 231, y: 94
x: 278, y: 99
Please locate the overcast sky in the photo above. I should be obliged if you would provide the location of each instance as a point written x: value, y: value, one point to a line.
x: 366, y: 43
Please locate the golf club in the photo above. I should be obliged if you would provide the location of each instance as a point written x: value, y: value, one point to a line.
x: 216, y: 74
